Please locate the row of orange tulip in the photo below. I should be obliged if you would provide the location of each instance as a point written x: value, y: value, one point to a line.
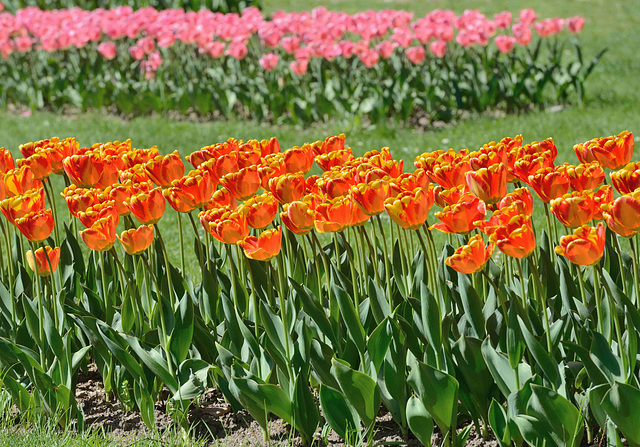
x: 113, y: 180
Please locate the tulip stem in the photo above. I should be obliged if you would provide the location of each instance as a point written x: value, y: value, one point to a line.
x: 283, y: 315
x: 36, y: 278
x: 12, y: 279
x: 622, y: 275
x: 168, y: 267
x: 181, y: 237
x: 114, y: 256
x: 103, y: 278
x: 49, y: 193
x: 315, y: 262
x: 387, y: 270
x: 552, y: 236
x: 634, y: 260
x: 541, y: 300
x: 234, y: 286
x: 583, y: 290
x: 597, y: 272
x: 523, y: 291
x: 53, y: 289
x: 373, y: 251
x: 199, y: 244
x: 498, y: 292
x: 428, y: 260
x: 354, y: 277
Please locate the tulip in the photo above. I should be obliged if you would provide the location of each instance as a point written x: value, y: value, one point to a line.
x: 574, y: 209
x: 136, y: 174
x: 39, y: 263
x: 190, y: 192
x: 226, y: 224
x: 299, y: 159
x: 136, y: 240
x: 110, y: 173
x: 519, y: 195
x: 18, y: 206
x: 603, y: 196
x: 147, y: 208
x: 370, y: 197
x: 611, y: 152
x: 18, y: 181
x: 39, y: 163
x: 222, y: 198
x: 248, y: 155
x: 242, y: 184
x: 334, y: 215
x: 623, y: 215
x: 79, y: 199
x: 488, y: 184
x: 6, y: 161
x: 61, y: 150
x: 472, y: 257
x: 119, y: 194
x: 102, y: 234
x: 584, y: 177
x: 84, y: 170
x: 627, y: 179
x: 264, y: 247
x: 502, y: 216
x: 585, y: 246
x: 330, y: 144
x: 337, y: 185
x: 516, y: 238
x: 328, y: 160
x: 288, y: 187
x: 409, y: 182
x: 136, y: 157
x: 272, y: 166
x: 98, y: 211
x: 298, y: 217
x: 260, y: 210
x: 549, y: 183
x: 410, y: 209
x: 529, y: 164
x: 444, y: 197
x: 36, y: 226
x: 461, y: 217
x: 450, y: 175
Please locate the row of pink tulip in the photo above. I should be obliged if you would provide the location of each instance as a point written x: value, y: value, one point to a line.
x: 320, y: 33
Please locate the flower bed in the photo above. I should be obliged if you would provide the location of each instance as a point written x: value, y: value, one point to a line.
x: 292, y: 67
x: 308, y: 299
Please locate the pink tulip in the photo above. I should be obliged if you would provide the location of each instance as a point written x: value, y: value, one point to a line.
x: 385, y: 48
x: 107, y: 50
x: 528, y: 16
x: 505, y: 43
x: 299, y: 67
x: 269, y: 61
x: 416, y: 55
x: 575, y: 24
x: 290, y: 43
x: 216, y: 49
x: 522, y: 33
x: 136, y: 52
x: 502, y: 20
x: 370, y: 58
x: 438, y: 48
x: 237, y: 50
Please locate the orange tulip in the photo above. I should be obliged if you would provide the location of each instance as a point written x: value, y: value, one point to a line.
x: 138, y: 157
x: 6, y: 161
x: 409, y: 181
x: 39, y: 263
x: 516, y: 238
x: 39, y: 163
x: 329, y: 160
x: 461, y: 217
x: 444, y: 197
x: 226, y: 224
x: 267, y: 147
x: 149, y: 207
x: 110, y: 173
x: 242, y: 184
x: 574, y: 209
x: 611, y: 152
x: 623, y: 215
x: 603, y: 196
x: 472, y: 257
x: 627, y: 179
x: 519, y: 195
x: 335, y: 185
x: 531, y: 163
x: 370, y: 197
x: 334, y: 215
x: 59, y: 151
x: 135, y: 174
x: 488, y: 155
x: 162, y: 170
x: 410, y: 209
x: 260, y: 210
x: 18, y: 206
x: 221, y: 198
x: 298, y: 217
x: 18, y: 181
x: 190, y: 192
x: 264, y: 247
x: 299, y: 159
x: 272, y: 166
x: 36, y: 226
x: 488, y: 184
x: 288, y: 187
x: 99, y: 211
x: 330, y: 144
x: 79, y: 199
x: 102, y: 234
x: 585, y: 246
x: 449, y: 175
x: 502, y: 216
x: 84, y: 170
x: 584, y: 176
x: 136, y: 240
x: 549, y: 183
x: 119, y: 194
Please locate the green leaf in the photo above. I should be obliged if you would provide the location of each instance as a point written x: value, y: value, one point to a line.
x: 621, y: 404
x: 340, y: 415
x: 348, y: 311
x: 547, y: 364
x: 564, y: 420
x: 605, y: 360
x: 419, y: 420
x: 378, y: 344
x: 305, y: 415
x: 360, y: 390
x: 270, y: 397
x: 182, y: 334
x: 499, y: 423
x: 472, y: 305
x: 500, y: 369
x: 438, y: 392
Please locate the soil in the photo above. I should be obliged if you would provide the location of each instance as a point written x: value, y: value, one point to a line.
x: 215, y: 422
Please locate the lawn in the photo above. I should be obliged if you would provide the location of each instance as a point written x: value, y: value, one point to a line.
x: 613, y: 93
